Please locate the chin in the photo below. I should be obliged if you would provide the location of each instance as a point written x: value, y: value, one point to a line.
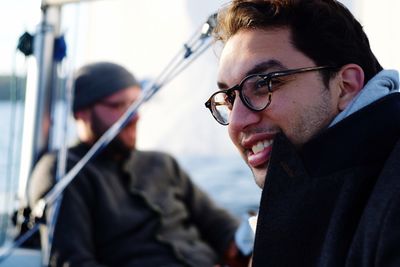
x: 127, y: 140
x: 129, y: 144
x: 259, y: 176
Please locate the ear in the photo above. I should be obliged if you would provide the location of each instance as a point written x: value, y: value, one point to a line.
x: 351, y: 81
x: 83, y: 127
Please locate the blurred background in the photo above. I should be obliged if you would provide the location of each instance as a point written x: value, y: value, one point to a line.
x: 144, y: 36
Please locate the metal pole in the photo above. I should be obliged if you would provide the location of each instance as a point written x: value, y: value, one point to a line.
x: 38, y: 96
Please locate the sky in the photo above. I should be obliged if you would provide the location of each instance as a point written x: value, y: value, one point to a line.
x: 16, y: 17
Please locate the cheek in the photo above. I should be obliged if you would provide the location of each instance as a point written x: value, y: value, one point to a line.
x: 110, y: 119
x: 285, y: 113
x: 280, y: 111
x: 306, y: 121
x: 234, y: 135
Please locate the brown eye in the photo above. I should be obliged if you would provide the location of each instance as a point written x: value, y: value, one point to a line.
x: 260, y: 87
x: 260, y: 84
x: 255, y: 87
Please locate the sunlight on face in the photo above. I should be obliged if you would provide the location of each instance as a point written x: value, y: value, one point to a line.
x: 300, y: 107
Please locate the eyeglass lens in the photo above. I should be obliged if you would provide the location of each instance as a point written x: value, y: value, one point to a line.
x: 254, y: 93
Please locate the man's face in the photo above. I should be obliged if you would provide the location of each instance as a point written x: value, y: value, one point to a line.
x: 107, y: 111
x: 301, y: 105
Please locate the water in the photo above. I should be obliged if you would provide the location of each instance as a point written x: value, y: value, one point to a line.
x: 10, y: 130
x: 225, y: 178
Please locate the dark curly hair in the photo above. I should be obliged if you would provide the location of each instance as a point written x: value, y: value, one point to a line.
x: 324, y: 30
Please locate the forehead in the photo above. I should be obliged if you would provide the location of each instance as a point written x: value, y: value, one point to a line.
x: 255, y: 51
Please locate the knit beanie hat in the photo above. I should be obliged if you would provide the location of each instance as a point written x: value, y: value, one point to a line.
x: 96, y: 81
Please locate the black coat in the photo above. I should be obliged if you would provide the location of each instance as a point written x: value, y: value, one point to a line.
x: 143, y: 211
x: 336, y: 202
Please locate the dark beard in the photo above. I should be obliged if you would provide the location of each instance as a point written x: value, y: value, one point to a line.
x: 116, y: 148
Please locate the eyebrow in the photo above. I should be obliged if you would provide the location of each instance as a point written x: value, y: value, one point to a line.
x: 264, y: 66
x: 261, y: 67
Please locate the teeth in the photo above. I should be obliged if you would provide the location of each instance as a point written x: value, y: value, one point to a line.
x: 260, y: 146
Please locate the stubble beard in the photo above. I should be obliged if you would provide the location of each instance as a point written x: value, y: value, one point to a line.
x: 116, y: 147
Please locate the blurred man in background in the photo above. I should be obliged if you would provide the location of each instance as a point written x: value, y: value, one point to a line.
x: 128, y: 207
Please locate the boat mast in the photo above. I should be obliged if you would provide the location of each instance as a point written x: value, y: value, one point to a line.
x: 39, y: 93
x: 41, y: 90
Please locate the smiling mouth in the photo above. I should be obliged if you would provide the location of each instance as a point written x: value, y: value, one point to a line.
x: 259, y: 153
x: 260, y: 146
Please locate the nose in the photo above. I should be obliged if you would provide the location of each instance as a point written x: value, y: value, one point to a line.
x: 241, y: 117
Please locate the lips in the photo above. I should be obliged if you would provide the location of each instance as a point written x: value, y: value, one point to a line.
x: 260, y: 146
x: 258, y: 152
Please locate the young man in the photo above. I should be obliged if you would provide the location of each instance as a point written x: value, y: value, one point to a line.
x: 317, y: 120
x: 128, y: 207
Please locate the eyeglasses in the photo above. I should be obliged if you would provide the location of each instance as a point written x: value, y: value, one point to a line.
x: 255, y: 91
